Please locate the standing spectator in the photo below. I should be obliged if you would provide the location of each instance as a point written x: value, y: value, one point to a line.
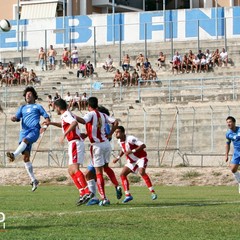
x: 223, y: 59
x: 82, y: 70
x: 74, y: 55
x: 139, y: 61
x: 195, y: 64
x: 69, y: 99
x: 42, y: 58
x: 126, y: 62
x: 65, y: 57
x: 51, y: 103
x: 90, y: 69
x: 135, y: 77
x: 146, y: 64
x: 52, y: 55
x: 176, y: 63
x: 84, y: 101
x: 108, y: 66
x: 76, y: 101
x: 126, y: 77
x: 161, y: 60
x: 117, y: 78
x: 215, y: 57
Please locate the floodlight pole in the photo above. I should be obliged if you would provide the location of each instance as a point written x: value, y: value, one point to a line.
x: 18, y: 7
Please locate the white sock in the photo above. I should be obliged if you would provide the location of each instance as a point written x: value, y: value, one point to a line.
x: 92, y: 187
x: 237, y: 176
x: 22, y: 146
x: 29, y: 168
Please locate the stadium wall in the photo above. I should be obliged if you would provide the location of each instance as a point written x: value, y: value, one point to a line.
x: 181, y: 25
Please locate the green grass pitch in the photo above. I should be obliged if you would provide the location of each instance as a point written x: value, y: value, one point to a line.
x: 201, y: 213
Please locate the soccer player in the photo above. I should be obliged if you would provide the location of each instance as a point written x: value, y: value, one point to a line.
x: 100, y: 146
x: 233, y: 135
x: 72, y: 133
x: 136, y: 156
x: 30, y: 114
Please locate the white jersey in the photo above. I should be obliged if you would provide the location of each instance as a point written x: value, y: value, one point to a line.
x: 95, y: 126
x: 223, y: 55
x: 75, y: 53
x: 68, y: 98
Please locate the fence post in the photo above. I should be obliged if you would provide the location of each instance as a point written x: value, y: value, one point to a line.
x: 177, y: 127
x: 145, y: 39
x: 94, y: 47
x: 70, y: 40
x: 229, y: 110
x: 145, y: 127
x: 193, y: 127
x: 139, y: 90
x: 128, y: 119
x: 198, y: 36
x: 233, y: 87
x: 120, y: 93
x: 201, y: 89
x: 159, y: 133
x: 169, y: 91
x: 212, y: 137
x: 4, y: 140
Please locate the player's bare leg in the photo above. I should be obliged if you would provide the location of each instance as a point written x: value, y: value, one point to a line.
x: 236, y: 173
x: 145, y: 177
x: 80, y: 182
x: 125, y: 184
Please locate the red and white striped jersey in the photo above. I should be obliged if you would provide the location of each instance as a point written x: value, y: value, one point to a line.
x: 67, y: 119
x: 131, y: 143
x: 95, y: 126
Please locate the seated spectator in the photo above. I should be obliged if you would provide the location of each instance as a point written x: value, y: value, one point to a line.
x: 16, y: 77
x: 195, y: 64
x: 24, y: 77
x: 152, y: 75
x: 20, y: 66
x: 65, y: 57
x: 215, y: 57
x: 74, y: 55
x: 69, y: 99
x: 200, y: 54
x: 223, y: 59
x: 4, y: 78
x: 126, y: 78
x: 176, y: 63
x: 144, y: 74
x: 204, y: 64
x: 126, y: 62
x: 32, y: 77
x: 184, y: 64
x: 161, y: 60
x: 139, y: 61
x: 76, y: 101
x: 84, y: 101
x: 82, y: 70
x: 135, y: 78
x: 56, y: 97
x: 10, y: 67
x: 146, y: 64
x: 190, y: 58
x: 117, y: 78
x: 208, y: 57
x: 51, y: 103
x: 108, y: 66
x: 90, y: 69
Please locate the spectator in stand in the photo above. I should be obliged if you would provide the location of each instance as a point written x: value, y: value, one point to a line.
x: 10, y: 67
x: 126, y: 78
x: 20, y: 66
x: 51, y: 57
x: 208, y: 57
x: 200, y: 54
x: 176, y: 63
x: 126, y: 62
x: 66, y: 57
x: 76, y: 101
x: 74, y: 55
x: 82, y: 70
x: 69, y: 99
x: 11, y: 79
x: 42, y: 58
x: 184, y: 64
x: 190, y: 58
x: 135, y: 77
x: 16, y: 76
x: 4, y: 78
x: 161, y: 60
x: 84, y: 101
x: 223, y: 59
x: 146, y: 64
x: 117, y: 78
x: 139, y: 61
x: 215, y: 57
x: 90, y: 69
x: 195, y: 64
x: 32, y: 77
x: 24, y: 77
x: 56, y: 97
x: 51, y: 103
x: 108, y: 66
x: 204, y: 64
x: 152, y: 75
x: 144, y: 74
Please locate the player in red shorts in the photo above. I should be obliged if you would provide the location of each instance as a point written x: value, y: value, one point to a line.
x: 72, y: 133
x: 136, y: 161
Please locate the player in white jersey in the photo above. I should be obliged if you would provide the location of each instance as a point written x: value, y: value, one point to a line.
x: 72, y: 133
x: 137, y: 160
x: 100, y: 145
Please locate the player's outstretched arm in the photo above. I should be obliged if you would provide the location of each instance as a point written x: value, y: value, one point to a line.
x: 80, y: 120
x: 227, y: 151
x: 118, y: 157
x: 114, y: 127
x: 56, y: 124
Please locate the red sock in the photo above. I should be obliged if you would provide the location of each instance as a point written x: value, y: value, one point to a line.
x: 111, y: 175
x: 100, y: 184
x: 82, y: 181
x: 125, y: 184
x: 148, y: 182
x: 77, y: 184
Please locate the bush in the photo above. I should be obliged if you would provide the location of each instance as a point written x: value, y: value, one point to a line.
x: 61, y: 179
x: 190, y: 174
x: 134, y: 179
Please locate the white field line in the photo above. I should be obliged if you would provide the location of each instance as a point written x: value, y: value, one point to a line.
x: 105, y: 209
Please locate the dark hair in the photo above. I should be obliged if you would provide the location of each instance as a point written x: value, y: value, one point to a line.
x: 231, y: 118
x: 61, y: 104
x: 102, y: 109
x: 93, y: 102
x: 121, y: 128
x: 50, y: 96
x: 32, y: 90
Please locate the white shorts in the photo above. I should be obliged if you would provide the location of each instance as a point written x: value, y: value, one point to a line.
x: 100, y: 153
x: 141, y: 163
x: 76, y: 152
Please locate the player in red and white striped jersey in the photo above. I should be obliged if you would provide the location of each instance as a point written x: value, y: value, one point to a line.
x: 72, y: 133
x: 137, y: 160
x: 100, y: 146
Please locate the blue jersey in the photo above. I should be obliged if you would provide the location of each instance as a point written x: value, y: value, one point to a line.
x: 30, y: 115
x: 234, y: 137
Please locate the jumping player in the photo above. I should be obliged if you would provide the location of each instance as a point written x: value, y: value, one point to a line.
x: 136, y: 160
x: 100, y: 146
x: 233, y: 135
x: 72, y: 133
x: 30, y: 114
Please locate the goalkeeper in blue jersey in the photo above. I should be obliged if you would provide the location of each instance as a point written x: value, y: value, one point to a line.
x: 29, y: 115
x: 233, y: 135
